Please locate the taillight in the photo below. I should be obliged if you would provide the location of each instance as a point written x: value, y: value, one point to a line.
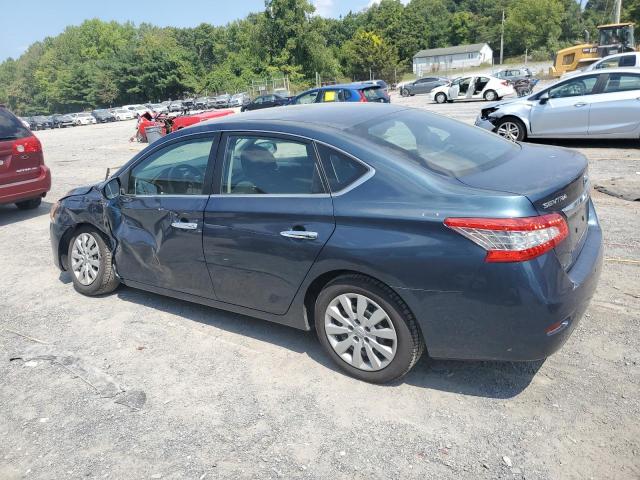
x: 363, y: 98
x: 505, y: 83
x: 513, y: 239
x: 26, y: 145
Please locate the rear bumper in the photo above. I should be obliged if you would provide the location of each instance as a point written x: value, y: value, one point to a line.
x: 27, y: 189
x: 511, y: 312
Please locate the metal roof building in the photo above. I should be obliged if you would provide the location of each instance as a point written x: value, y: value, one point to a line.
x: 448, y: 58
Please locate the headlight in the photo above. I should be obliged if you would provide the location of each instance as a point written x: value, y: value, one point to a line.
x: 54, y: 209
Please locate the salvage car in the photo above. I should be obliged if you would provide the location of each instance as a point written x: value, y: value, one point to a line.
x: 103, y: 116
x: 24, y: 178
x: 482, y: 87
x: 350, y: 92
x: 513, y: 74
x: 422, y: 85
x: 265, y: 101
x: 62, y: 121
x: 83, y: 118
x: 123, y: 114
x: 40, y: 122
x: 596, y: 104
x: 391, y: 231
x: 171, y: 124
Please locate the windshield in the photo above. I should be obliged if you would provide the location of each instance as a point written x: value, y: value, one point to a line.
x: 437, y: 143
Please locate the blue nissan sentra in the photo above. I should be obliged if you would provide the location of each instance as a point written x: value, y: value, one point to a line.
x: 390, y: 230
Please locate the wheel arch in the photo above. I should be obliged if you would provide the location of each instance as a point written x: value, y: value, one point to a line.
x: 321, y: 280
x: 65, y: 239
x: 512, y: 116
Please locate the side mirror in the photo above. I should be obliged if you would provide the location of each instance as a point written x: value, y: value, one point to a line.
x: 544, y: 98
x: 112, y: 189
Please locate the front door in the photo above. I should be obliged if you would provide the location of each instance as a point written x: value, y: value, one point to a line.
x: 157, y: 220
x: 268, y: 222
x: 567, y: 110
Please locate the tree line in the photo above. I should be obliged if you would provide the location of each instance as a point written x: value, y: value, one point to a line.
x: 99, y: 64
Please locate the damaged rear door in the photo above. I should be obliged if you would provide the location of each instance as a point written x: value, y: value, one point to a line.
x: 158, y: 217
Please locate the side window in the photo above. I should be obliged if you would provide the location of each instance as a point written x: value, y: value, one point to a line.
x: 307, y: 98
x: 611, y: 63
x: 330, y: 96
x: 628, y: 61
x: 259, y: 100
x: 178, y: 169
x: 261, y: 165
x: 622, y: 82
x: 340, y: 169
x: 574, y: 88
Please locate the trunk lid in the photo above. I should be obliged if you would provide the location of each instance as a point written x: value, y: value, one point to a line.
x: 554, y: 180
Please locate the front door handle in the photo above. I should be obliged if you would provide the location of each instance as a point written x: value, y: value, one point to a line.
x: 581, y: 104
x: 299, y: 234
x: 185, y: 225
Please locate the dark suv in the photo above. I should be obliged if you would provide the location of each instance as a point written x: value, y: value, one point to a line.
x: 24, y: 178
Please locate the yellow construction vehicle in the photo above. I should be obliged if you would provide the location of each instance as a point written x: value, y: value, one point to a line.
x: 614, y: 38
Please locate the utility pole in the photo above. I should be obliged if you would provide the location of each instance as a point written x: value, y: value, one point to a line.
x: 502, y: 39
x: 616, y: 12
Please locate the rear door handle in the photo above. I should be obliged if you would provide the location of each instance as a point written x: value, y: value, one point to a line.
x: 299, y: 234
x: 185, y: 225
x: 581, y: 104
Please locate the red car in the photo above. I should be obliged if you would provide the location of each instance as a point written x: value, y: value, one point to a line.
x: 24, y: 178
x: 169, y: 124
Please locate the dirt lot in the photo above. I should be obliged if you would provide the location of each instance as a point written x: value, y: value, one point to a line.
x: 232, y: 397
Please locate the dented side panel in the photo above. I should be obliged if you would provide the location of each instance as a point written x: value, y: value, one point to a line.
x: 152, y: 249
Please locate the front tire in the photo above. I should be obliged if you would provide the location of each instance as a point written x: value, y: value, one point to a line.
x: 511, y: 128
x: 441, y: 98
x: 90, y: 262
x: 29, y: 204
x: 367, y: 329
x: 404, y: 92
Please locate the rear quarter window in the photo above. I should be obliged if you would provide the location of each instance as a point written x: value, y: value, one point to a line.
x: 11, y: 127
x: 340, y: 169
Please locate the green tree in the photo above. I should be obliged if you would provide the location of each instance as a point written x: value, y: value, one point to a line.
x: 368, y: 53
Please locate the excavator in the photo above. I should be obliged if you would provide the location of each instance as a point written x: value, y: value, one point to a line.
x: 613, y: 38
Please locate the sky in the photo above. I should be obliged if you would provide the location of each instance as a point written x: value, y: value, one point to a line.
x: 23, y: 24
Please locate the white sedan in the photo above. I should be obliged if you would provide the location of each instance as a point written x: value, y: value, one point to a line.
x: 82, y: 118
x: 123, y: 114
x: 481, y: 87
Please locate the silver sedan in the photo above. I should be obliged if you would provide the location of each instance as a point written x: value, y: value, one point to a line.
x: 602, y: 104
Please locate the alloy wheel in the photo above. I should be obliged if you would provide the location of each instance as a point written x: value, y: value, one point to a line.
x: 85, y: 258
x: 509, y: 130
x: 360, y: 332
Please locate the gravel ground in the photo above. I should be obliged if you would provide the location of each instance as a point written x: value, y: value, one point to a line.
x: 135, y: 385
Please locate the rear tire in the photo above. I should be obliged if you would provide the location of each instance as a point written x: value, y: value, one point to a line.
x: 382, y: 337
x: 441, y: 98
x: 90, y: 262
x: 490, y: 96
x: 29, y: 204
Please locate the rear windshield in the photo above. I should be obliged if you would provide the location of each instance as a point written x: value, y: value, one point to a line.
x: 373, y: 93
x: 10, y: 127
x: 437, y: 143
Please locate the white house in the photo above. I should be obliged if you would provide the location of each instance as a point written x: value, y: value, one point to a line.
x: 448, y: 58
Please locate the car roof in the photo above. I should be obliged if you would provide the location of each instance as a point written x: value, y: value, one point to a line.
x: 605, y: 70
x: 339, y: 115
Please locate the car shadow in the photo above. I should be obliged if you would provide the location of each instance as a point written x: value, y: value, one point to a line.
x: 500, y: 380
x: 587, y: 143
x: 11, y: 214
